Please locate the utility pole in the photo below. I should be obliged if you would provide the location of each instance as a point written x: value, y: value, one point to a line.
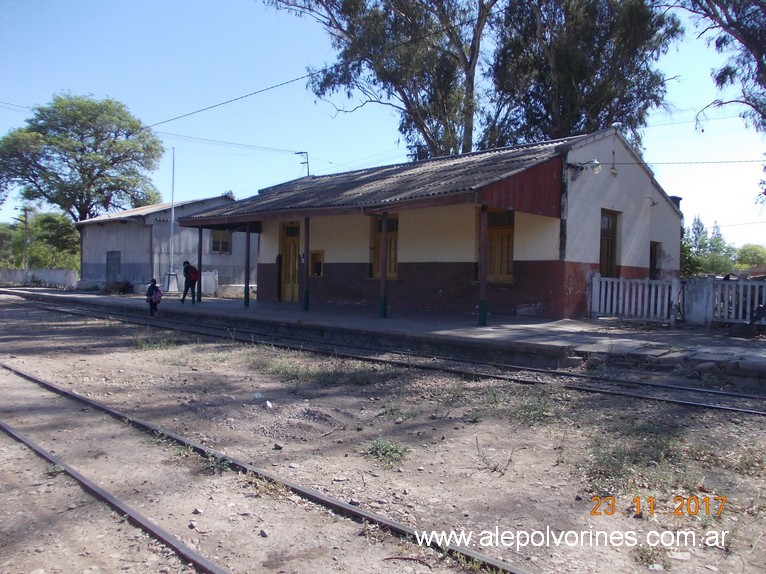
x: 25, y: 247
x: 306, y: 163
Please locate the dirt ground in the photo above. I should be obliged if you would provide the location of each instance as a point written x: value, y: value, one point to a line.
x: 516, y: 467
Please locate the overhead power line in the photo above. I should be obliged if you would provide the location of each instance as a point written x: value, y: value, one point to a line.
x: 218, y: 105
x: 748, y: 223
x: 310, y: 74
x: 226, y: 143
x: 9, y: 104
x: 709, y: 162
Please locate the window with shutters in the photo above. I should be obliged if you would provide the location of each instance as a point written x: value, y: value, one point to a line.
x: 500, y: 251
x: 221, y: 241
x: 608, y: 255
x: 392, y: 236
x: 655, y: 254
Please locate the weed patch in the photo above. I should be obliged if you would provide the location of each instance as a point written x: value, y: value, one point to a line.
x: 648, y: 556
x: 386, y: 451
x: 397, y: 411
x: 449, y: 399
x: 490, y: 465
x: 533, y: 410
x: 638, y: 455
x: 215, y: 464
x: 263, y: 487
x: 152, y: 343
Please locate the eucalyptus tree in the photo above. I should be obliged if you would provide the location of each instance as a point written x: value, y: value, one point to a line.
x: 81, y: 155
x: 738, y: 28
x: 567, y: 67
x: 420, y: 57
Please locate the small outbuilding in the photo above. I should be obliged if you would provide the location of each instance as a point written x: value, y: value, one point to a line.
x: 135, y: 245
x: 517, y: 231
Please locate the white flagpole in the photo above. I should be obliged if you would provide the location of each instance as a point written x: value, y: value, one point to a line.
x: 172, y: 210
x: 171, y: 280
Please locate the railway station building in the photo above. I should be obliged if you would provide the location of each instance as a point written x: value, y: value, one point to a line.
x: 135, y: 245
x: 511, y: 231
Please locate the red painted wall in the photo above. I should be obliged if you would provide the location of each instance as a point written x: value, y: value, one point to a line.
x: 535, y: 190
x: 550, y: 289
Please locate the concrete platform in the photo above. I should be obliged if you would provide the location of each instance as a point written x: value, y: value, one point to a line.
x: 532, y: 341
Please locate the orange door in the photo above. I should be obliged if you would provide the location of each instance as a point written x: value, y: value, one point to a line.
x: 290, y: 249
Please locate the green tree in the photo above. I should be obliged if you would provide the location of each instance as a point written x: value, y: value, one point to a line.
x: 419, y: 57
x: 81, y: 155
x: 716, y: 263
x: 699, y: 241
x: 719, y: 246
x: 425, y: 59
x: 51, y: 241
x: 568, y: 67
x: 737, y: 28
x: 751, y: 255
x: 6, y: 246
x: 54, y: 242
x: 690, y: 263
x: 704, y: 252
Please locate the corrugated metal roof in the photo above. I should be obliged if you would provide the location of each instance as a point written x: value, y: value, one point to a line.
x: 128, y: 213
x: 139, y: 212
x: 389, y: 185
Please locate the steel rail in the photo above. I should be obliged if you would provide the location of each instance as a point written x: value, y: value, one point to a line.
x: 247, y: 336
x: 156, y: 531
x: 661, y: 399
x: 300, y: 345
x: 311, y: 494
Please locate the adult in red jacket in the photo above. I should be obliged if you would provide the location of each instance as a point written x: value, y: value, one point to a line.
x: 191, y: 276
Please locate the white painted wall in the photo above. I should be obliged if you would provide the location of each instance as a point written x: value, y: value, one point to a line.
x: 344, y: 238
x: 536, y: 237
x: 442, y: 234
x: 647, y: 214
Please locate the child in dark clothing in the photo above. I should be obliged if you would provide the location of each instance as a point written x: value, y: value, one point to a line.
x: 153, y: 297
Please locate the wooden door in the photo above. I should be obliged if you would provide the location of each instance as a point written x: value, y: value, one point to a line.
x: 290, y: 250
x: 113, y: 267
x: 608, y: 255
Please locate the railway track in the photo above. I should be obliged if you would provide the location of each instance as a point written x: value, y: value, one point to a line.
x: 673, y: 389
x: 183, y: 551
x: 70, y: 417
x: 543, y: 380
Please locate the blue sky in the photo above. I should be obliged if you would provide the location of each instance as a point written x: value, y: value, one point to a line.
x: 167, y: 58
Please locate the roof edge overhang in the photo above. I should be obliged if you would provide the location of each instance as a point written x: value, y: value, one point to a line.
x: 140, y: 219
x: 234, y: 221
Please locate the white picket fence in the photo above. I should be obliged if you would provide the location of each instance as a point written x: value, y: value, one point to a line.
x: 734, y: 301
x: 642, y: 299
x: 701, y: 300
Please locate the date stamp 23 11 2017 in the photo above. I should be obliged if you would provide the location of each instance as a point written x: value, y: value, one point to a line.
x: 682, y: 506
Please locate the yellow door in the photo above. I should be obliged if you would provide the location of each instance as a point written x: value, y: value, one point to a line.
x: 291, y: 237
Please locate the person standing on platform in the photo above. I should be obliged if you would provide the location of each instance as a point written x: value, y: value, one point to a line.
x: 191, y: 276
x: 153, y: 297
